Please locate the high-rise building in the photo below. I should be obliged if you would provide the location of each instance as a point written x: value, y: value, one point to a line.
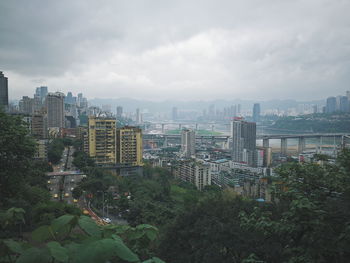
x: 4, y: 93
x: 55, y: 110
x: 119, y: 149
x: 41, y: 149
x: 256, y: 112
x: 138, y: 116
x: 348, y: 95
x: 331, y: 105
x: 174, y: 114
x: 129, y: 146
x: 26, y: 105
x: 102, y: 140
x: 37, y: 104
x: 119, y: 111
x: 69, y: 99
x: 193, y: 172
x: 239, y: 109
x: 211, y: 111
x: 41, y: 92
x: 343, y: 104
x: 81, y: 101
x: 243, y: 141
x: 39, y: 126
x: 188, y: 143
x: 106, y: 108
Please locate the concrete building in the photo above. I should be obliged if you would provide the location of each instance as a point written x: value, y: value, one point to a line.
x: 41, y: 92
x: 107, y: 108
x: 26, y: 105
x: 70, y: 99
x: 188, y: 143
x: 55, y: 109
x: 138, y: 116
x: 129, y: 146
x: 119, y: 111
x: 39, y: 126
x: 256, y: 112
x: 117, y: 149
x: 343, y: 103
x: 331, y: 105
x: 102, y: 140
x: 4, y: 93
x: 41, y: 149
x: 174, y: 114
x: 28, y: 122
x: 193, y: 172
x: 243, y: 141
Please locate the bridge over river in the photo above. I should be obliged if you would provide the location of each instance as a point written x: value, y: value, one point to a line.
x: 345, y: 137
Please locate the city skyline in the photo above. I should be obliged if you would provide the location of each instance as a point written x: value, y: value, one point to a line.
x: 255, y: 51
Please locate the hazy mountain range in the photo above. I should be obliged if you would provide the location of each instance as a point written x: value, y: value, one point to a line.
x: 130, y: 104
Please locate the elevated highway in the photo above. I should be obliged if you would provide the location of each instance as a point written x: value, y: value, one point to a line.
x: 264, y: 137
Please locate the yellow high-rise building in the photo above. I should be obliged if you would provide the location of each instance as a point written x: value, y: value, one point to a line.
x: 129, y: 146
x: 102, y: 140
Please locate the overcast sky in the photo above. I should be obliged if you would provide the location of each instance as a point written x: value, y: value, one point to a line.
x: 159, y: 49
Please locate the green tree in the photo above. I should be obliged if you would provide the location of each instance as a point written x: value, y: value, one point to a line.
x: 16, y: 152
x: 55, y: 150
x: 312, y: 203
x: 71, y: 238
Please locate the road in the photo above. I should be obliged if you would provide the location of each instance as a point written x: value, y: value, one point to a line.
x: 61, y: 187
x: 65, y: 179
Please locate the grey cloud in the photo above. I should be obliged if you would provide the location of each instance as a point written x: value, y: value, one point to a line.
x: 162, y: 49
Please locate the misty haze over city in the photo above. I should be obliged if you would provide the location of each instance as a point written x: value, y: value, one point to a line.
x: 154, y: 131
x: 181, y: 50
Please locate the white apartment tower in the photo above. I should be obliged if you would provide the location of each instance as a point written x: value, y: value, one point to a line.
x: 188, y: 143
x: 243, y: 141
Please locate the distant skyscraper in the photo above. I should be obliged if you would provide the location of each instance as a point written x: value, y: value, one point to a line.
x: 80, y: 100
x: 174, y: 113
x: 188, y: 143
x: 119, y: 111
x: 343, y: 104
x: 26, y: 105
x: 331, y: 105
x: 55, y: 109
x: 243, y: 141
x: 348, y: 95
x: 256, y: 112
x: 138, y: 116
x: 211, y: 110
x: 69, y: 99
x: 239, y: 109
x: 41, y: 92
x: 106, y: 108
x: 4, y: 95
x: 233, y: 110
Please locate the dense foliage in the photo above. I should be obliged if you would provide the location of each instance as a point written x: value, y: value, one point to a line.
x: 23, y: 182
x: 55, y: 151
x: 71, y: 238
x: 35, y: 229
x: 308, y: 221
